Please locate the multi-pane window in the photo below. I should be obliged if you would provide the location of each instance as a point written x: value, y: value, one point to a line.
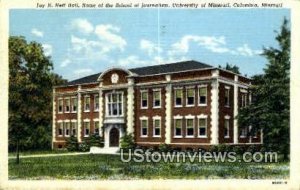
x: 178, y: 97
x: 202, y: 124
x: 67, y: 129
x: 226, y: 128
x: 243, y: 131
x: 73, y: 128
x: 96, y: 127
x: 244, y: 100
x: 144, y: 127
x: 60, y: 105
x: 67, y: 105
x: 96, y: 103
x: 156, y: 98
x: 86, y: 126
x: 156, y: 127
x: 60, y: 129
x: 74, y: 104
x: 190, y: 96
x: 115, y: 104
x: 189, y: 127
x: 202, y: 95
x: 227, y: 97
x: 178, y: 127
x: 144, y: 99
x: 87, y: 103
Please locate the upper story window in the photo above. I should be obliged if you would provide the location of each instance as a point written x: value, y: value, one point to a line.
x: 190, y: 97
x: 74, y: 104
x: 87, y: 103
x: 114, y: 104
x: 178, y: 127
x: 67, y: 105
x: 156, y: 126
x: 60, y: 105
x: 178, y: 97
x: 226, y: 128
x: 189, y: 127
x: 144, y: 99
x: 244, y: 100
x: 202, y: 95
x: 202, y: 127
x: 144, y: 127
x: 156, y: 98
x: 227, y: 96
x: 96, y: 103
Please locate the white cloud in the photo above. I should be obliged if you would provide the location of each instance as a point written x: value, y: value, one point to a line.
x: 82, y: 72
x: 149, y: 47
x: 245, y: 50
x: 82, y: 25
x: 65, y: 62
x: 133, y: 60
x: 108, y: 34
x: 37, y: 32
x: 47, y: 49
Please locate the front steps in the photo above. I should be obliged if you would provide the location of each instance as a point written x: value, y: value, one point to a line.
x: 98, y: 150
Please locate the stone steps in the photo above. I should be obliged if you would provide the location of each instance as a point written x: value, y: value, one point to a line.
x: 98, y: 150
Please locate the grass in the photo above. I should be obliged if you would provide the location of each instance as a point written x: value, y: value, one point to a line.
x: 26, y: 153
x: 96, y: 167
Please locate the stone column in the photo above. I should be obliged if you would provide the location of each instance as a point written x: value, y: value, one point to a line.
x: 53, y: 117
x: 130, y: 106
x: 215, y: 108
x: 168, y: 108
x: 79, y: 114
x: 101, y: 104
x: 235, y: 111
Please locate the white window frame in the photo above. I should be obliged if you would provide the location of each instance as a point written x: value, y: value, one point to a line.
x: 244, y: 99
x: 67, y: 122
x: 156, y: 118
x: 153, y: 97
x: 243, y: 129
x: 186, y: 96
x: 144, y: 91
x: 85, y: 103
x: 84, y: 127
x: 178, y: 117
x: 95, y: 102
x: 60, y: 125
x: 189, y: 117
x: 71, y: 127
x: 65, y: 107
x: 202, y: 116
x: 108, y: 103
x: 72, y: 105
x: 227, y: 119
x: 58, y: 105
x: 181, y: 105
x: 199, y: 87
x: 144, y: 118
x: 227, y: 89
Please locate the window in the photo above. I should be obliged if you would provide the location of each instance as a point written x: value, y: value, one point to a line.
x: 178, y: 127
x: 202, y: 95
x: 190, y: 97
x: 243, y: 132
x: 96, y: 103
x: 67, y: 108
x: 60, y: 129
x: 73, y: 128
x: 178, y: 97
x: 156, y: 127
x: 244, y: 100
x: 202, y: 124
x: 67, y: 129
x: 189, y: 127
x: 60, y: 105
x: 156, y: 98
x: 114, y: 104
x: 227, y: 96
x: 144, y: 99
x: 226, y: 128
x: 74, y: 105
x: 96, y: 127
x: 86, y: 126
x: 87, y: 101
x: 144, y: 127
x: 255, y: 132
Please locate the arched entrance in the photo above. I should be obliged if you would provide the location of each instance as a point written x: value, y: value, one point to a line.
x: 114, y: 136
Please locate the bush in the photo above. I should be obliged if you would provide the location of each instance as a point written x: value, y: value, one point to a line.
x: 72, y: 144
x: 238, y: 150
x: 84, y: 147
x: 95, y: 140
x: 127, y: 142
x: 163, y: 147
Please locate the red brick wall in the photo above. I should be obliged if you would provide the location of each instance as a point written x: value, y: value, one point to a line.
x: 155, y: 78
x: 191, y: 75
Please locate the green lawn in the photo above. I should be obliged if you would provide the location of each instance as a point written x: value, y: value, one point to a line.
x: 111, y: 167
x: 26, y: 153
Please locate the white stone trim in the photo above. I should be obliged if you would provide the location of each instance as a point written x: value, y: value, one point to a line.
x: 53, y: 117
x: 215, y: 109
x: 202, y: 116
x: 189, y: 116
x: 178, y: 117
x: 79, y: 110
x: 227, y: 117
x: 168, y: 108
x: 227, y: 87
x: 235, y: 110
x: 101, y: 104
x: 86, y: 120
x: 243, y: 90
x: 130, y: 107
x: 60, y: 121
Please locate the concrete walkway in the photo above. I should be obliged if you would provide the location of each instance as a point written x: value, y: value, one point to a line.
x: 50, y: 155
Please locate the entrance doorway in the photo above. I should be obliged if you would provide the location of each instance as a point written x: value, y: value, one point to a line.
x: 114, y: 136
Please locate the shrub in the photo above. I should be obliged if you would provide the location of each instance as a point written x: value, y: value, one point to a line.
x: 127, y: 142
x: 252, y: 148
x: 163, y: 147
x: 95, y: 140
x: 72, y: 144
x: 84, y: 147
x: 238, y: 150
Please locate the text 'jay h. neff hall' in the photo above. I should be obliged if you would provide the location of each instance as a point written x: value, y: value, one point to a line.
x: 185, y: 105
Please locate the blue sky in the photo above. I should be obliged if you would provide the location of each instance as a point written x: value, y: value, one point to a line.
x: 83, y: 42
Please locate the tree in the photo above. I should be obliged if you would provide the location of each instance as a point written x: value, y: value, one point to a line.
x: 270, y: 108
x: 30, y: 95
x: 232, y: 68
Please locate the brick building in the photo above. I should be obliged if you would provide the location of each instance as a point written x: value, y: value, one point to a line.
x: 186, y: 104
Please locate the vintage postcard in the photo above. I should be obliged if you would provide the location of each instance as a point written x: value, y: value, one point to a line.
x: 149, y: 94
